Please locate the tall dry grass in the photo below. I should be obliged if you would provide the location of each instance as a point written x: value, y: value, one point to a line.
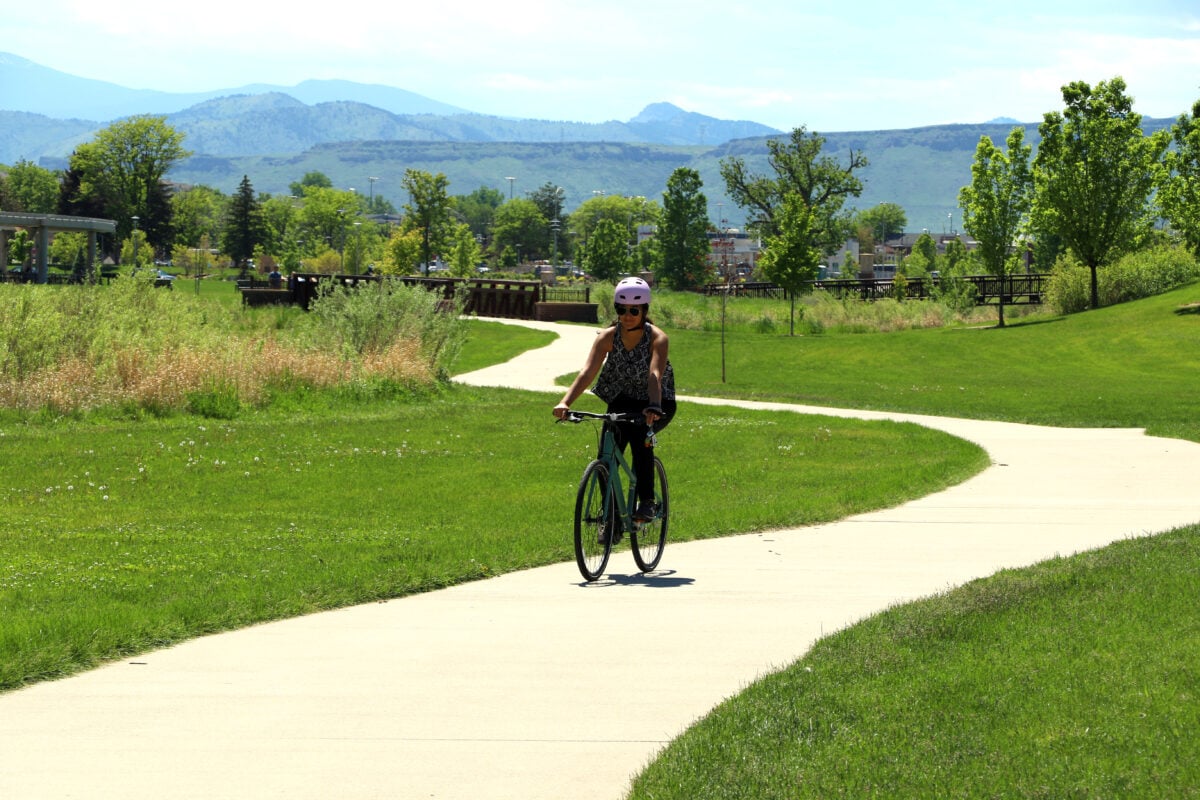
x: 131, y: 345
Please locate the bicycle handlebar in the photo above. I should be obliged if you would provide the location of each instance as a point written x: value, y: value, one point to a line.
x: 580, y: 416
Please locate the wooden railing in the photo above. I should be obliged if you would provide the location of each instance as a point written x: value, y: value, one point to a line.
x: 1021, y: 288
x: 484, y: 297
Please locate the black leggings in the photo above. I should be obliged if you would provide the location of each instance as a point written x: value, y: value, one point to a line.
x: 634, y: 434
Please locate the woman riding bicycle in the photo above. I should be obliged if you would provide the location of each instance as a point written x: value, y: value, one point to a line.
x: 635, y: 377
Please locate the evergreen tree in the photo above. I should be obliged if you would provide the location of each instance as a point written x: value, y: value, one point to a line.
x: 683, y: 235
x: 245, y: 228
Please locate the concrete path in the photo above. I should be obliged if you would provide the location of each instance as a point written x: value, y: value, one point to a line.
x: 532, y: 685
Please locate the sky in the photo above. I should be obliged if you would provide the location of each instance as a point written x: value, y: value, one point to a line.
x: 829, y: 66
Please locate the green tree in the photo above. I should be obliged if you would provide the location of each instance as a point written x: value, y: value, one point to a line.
x: 881, y: 222
x: 683, y: 233
x: 954, y: 254
x: 791, y: 257
x: 311, y: 180
x: 478, y: 208
x: 325, y: 216
x: 32, y: 189
x: 402, y: 253
x: 281, y: 221
x: 123, y: 169
x: 244, y: 227
x: 821, y: 181
x: 997, y: 202
x: 1095, y: 172
x: 196, y: 212
x: 607, y: 255
x: 70, y: 250
x: 428, y: 211
x: 549, y: 198
x: 465, y: 253
x: 628, y: 212
x: 519, y: 224
x: 1180, y: 195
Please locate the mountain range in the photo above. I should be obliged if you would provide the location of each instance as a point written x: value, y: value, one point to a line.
x: 349, y: 131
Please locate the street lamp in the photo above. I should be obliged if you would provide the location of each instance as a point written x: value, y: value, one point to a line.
x: 510, y: 185
x: 357, y: 248
x: 371, y: 202
x: 135, y: 240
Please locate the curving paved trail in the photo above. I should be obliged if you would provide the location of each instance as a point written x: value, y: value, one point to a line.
x: 532, y: 685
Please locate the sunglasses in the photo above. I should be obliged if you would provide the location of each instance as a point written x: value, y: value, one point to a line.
x: 633, y: 311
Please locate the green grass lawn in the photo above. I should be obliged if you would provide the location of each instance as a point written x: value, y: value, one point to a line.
x: 1132, y: 365
x: 118, y: 537
x: 1075, y: 678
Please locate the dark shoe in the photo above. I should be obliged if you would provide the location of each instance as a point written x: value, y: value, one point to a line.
x: 645, y: 511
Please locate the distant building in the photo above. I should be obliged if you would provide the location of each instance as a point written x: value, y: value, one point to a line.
x: 733, y: 252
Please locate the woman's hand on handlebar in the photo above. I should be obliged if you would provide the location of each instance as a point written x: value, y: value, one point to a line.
x: 560, y: 410
x: 652, y: 414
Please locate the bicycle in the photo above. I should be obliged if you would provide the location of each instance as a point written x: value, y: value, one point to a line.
x: 604, y: 510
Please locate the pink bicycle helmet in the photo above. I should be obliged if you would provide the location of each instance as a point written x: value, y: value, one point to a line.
x: 632, y: 292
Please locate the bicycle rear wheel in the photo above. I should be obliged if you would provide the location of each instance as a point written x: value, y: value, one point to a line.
x: 595, y: 521
x: 650, y: 538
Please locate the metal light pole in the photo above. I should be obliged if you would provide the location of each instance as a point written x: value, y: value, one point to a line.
x: 371, y: 202
x: 357, y: 248
x: 135, y: 241
x: 510, y: 185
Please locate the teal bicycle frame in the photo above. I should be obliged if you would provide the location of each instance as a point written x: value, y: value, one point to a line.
x: 604, y: 507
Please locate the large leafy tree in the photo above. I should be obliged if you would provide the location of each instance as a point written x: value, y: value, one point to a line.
x: 880, y: 223
x: 31, y: 188
x: 997, y: 201
x: 683, y: 233
x: 1180, y: 195
x: 196, y: 212
x: 626, y: 213
x: 791, y: 257
x: 428, y: 211
x: 607, y: 254
x: 311, y: 180
x: 244, y: 226
x: 122, y: 169
x: 1095, y: 172
x: 800, y: 168
x: 519, y: 225
x: 478, y: 208
x: 325, y: 216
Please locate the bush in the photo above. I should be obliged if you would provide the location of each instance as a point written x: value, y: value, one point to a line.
x: 1142, y: 274
x: 387, y: 322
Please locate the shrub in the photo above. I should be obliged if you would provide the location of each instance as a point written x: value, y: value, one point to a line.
x: 1141, y: 274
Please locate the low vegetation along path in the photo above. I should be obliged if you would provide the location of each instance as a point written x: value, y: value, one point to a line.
x: 533, y: 685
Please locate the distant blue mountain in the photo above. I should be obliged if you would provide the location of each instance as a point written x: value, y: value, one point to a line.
x: 40, y: 90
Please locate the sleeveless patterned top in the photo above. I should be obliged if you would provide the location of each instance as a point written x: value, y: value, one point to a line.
x: 625, y: 371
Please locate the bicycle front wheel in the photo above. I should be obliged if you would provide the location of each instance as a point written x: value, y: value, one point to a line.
x: 595, y: 521
x: 650, y: 538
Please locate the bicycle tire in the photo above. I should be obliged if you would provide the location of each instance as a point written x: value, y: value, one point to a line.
x: 649, y: 539
x: 595, y: 521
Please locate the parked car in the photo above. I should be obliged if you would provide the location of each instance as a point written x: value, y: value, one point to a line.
x: 160, y: 278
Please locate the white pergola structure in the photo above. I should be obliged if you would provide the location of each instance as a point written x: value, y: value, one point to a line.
x: 41, y: 226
